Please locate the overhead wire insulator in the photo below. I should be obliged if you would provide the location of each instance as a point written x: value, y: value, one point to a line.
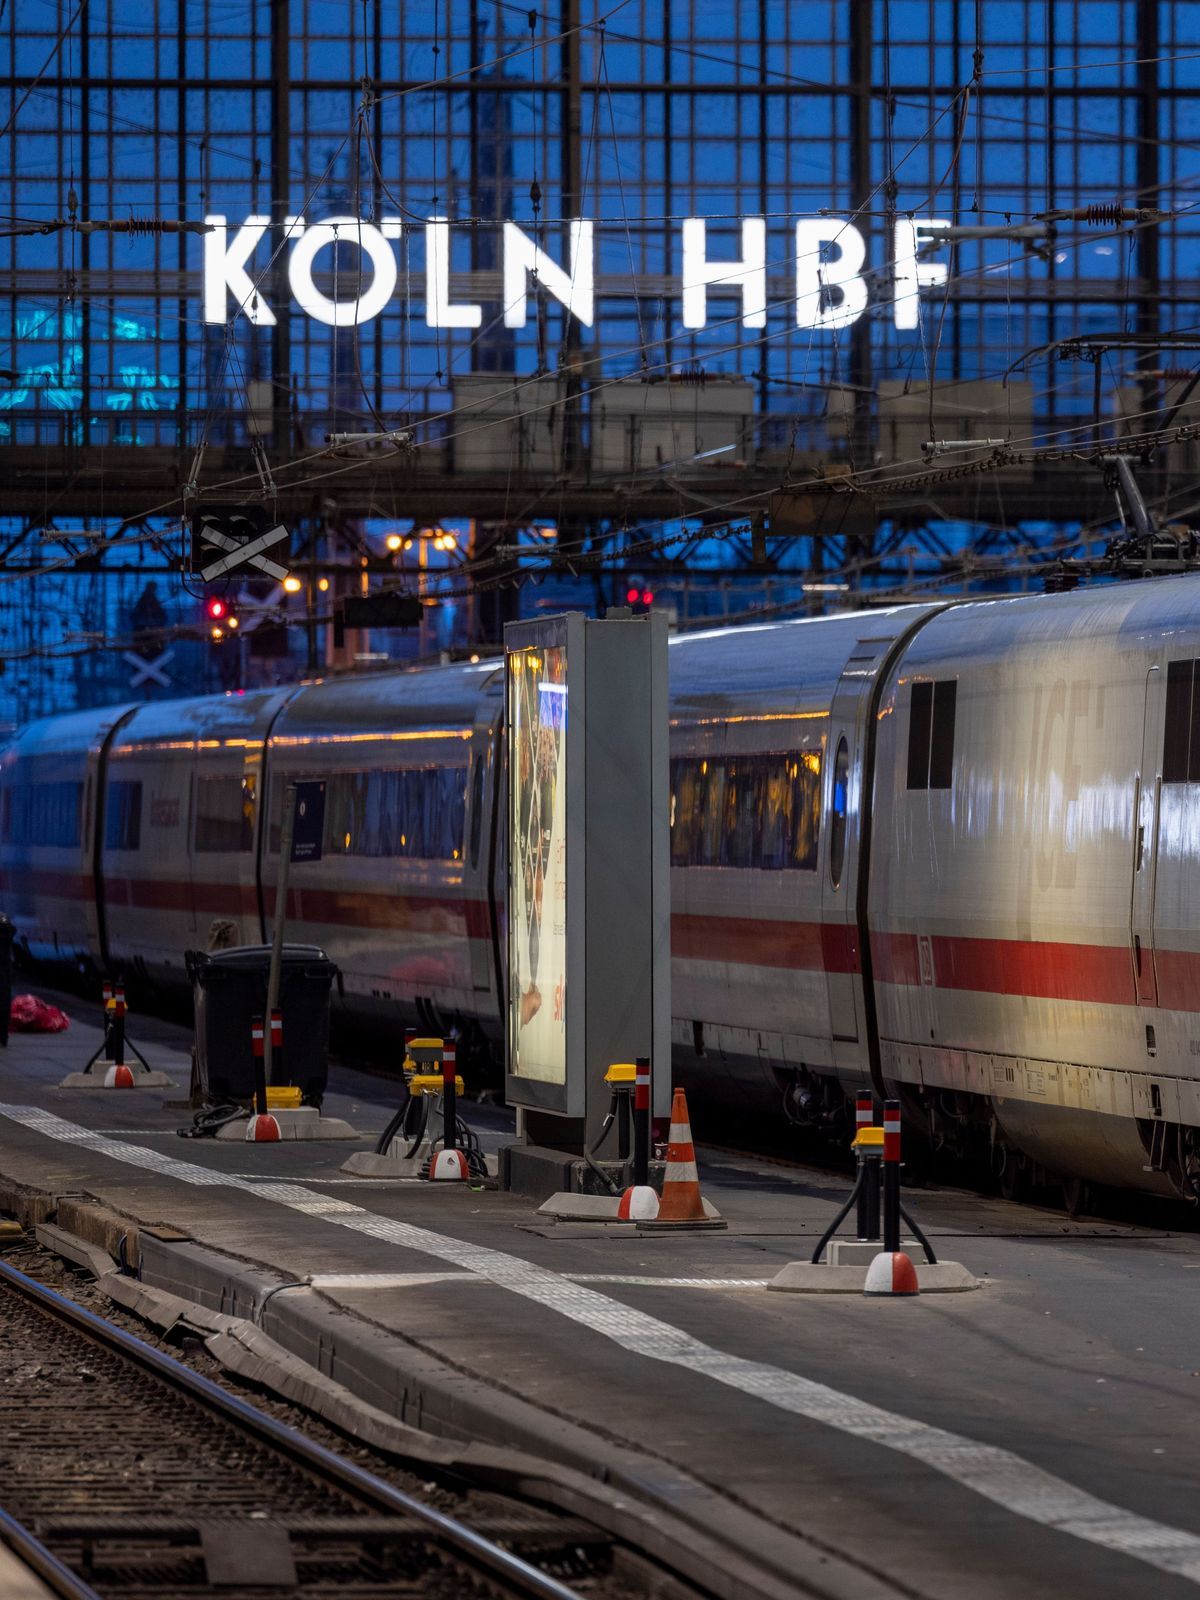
x: 1106, y: 214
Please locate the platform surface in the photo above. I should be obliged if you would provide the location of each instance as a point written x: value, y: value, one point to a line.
x: 884, y: 1430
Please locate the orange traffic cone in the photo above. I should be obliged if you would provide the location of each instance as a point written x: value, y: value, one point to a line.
x: 681, y: 1204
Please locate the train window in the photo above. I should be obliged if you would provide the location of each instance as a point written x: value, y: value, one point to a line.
x: 476, y: 810
x: 931, y: 720
x: 775, y: 815
x: 941, y: 745
x: 123, y: 816
x: 712, y: 813
x: 756, y: 811
x: 685, y: 810
x: 225, y: 814
x: 1181, y: 738
x: 805, y: 774
x: 837, y: 819
x: 417, y: 813
x: 44, y: 814
x: 738, y: 843
x: 920, y: 724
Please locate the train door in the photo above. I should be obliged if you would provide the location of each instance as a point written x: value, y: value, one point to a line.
x: 482, y: 801
x: 1147, y: 810
x: 842, y: 810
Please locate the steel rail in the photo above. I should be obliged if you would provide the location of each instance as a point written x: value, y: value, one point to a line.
x: 44, y: 1563
x: 307, y: 1453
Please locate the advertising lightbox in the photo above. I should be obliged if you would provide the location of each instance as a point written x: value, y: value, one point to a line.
x: 537, y: 852
x: 588, y: 969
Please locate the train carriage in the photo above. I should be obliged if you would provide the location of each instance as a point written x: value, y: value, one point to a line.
x: 768, y: 745
x: 50, y: 809
x: 950, y: 850
x: 1035, y: 888
x: 178, y: 841
x: 401, y: 897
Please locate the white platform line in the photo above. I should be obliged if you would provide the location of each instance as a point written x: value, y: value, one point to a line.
x: 645, y: 1282
x: 405, y: 1280
x: 384, y: 1280
x: 997, y: 1475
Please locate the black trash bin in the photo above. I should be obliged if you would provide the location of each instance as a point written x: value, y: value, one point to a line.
x: 229, y: 989
x: 7, y: 935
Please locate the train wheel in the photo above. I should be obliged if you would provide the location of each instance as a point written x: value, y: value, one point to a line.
x: 1014, y: 1175
x: 1077, y: 1196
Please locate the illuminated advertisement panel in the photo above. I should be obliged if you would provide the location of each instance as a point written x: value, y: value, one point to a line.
x: 537, y: 855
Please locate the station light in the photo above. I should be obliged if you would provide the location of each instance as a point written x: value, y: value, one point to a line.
x: 395, y: 542
x: 323, y: 584
x: 218, y: 634
x: 232, y: 623
x: 292, y: 584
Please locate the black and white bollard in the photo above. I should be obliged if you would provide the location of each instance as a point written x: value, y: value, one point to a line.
x: 639, y: 1203
x: 891, y: 1272
x: 117, y: 1063
x: 867, y: 1159
x: 107, y: 992
x: 262, y: 1128
x: 276, y: 1048
x: 449, y: 1165
x: 118, y: 1075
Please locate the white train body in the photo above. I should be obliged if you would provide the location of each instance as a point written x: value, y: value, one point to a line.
x: 950, y: 851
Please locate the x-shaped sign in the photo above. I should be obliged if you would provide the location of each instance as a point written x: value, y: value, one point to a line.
x: 243, y: 553
x: 150, y: 671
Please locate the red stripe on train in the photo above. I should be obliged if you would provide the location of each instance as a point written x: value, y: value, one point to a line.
x: 61, y: 885
x: 1041, y: 969
x: 760, y: 942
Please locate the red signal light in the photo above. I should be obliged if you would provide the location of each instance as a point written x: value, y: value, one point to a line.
x: 631, y: 596
x: 647, y: 597
x: 216, y: 609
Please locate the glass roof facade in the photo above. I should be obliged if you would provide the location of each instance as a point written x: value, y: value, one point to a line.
x: 638, y: 116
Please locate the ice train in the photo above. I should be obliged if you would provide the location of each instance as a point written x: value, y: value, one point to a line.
x: 949, y: 850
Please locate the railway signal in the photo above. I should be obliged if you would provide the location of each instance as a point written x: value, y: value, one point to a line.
x: 222, y: 617
x: 227, y: 537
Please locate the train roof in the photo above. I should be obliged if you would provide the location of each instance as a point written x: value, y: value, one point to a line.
x: 772, y: 668
x: 72, y: 734
x: 235, y: 718
x: 426, y: 698
x: 1131, y: 614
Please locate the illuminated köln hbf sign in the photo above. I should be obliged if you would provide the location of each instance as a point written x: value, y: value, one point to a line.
x: 829, y: 255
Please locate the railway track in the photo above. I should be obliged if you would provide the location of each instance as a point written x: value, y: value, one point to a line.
x: 123, y: 1472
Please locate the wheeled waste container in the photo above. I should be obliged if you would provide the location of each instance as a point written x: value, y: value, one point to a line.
x: 229, y: 989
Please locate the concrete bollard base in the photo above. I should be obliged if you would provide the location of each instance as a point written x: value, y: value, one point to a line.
x: 370, y: 1164
x: 95, y: 1078
x: 803, y: 1277
x: 299, y: 1122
